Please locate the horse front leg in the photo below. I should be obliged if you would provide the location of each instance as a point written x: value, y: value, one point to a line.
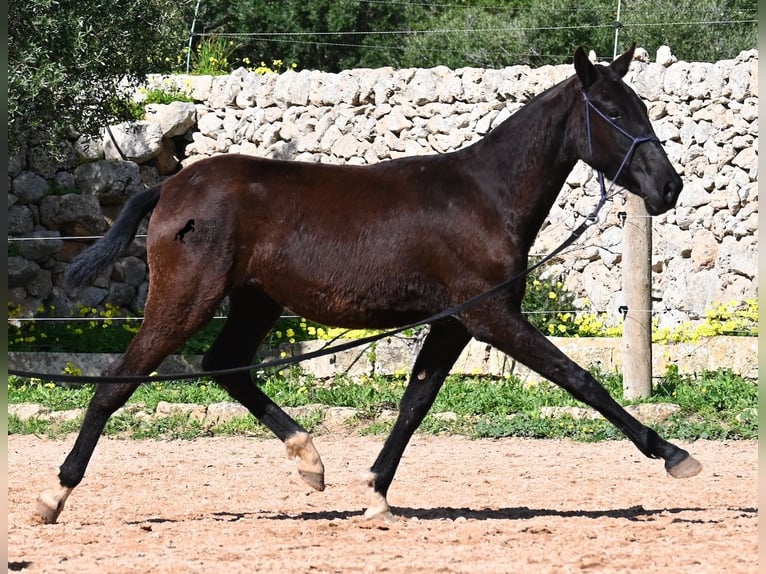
x: 440, y: 350
x: 106, y: 400
x: 516, y: 337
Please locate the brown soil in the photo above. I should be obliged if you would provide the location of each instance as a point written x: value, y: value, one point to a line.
x: 512, y: 505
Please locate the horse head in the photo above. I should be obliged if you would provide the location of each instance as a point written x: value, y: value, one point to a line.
x: 617, y: 136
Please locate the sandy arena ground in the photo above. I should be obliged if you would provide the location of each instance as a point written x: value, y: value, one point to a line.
x: 471, y: 506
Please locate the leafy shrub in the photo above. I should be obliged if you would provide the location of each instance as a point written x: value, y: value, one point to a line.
x: 277, y: 67
x: 95, y: 330
x: 547, y: 304
x: 166, y: 97
x: 156, y: 96
x: 733, y: 318
x: 211, y: 57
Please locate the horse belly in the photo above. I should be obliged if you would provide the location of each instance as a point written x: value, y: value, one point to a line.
x: 354, y: 296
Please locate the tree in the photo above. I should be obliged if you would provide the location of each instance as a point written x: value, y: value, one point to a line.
x: 330, y: 35
x: 70, y: 61
x: 553, y: 31
x: 481, y: 34
x: 686, y: 26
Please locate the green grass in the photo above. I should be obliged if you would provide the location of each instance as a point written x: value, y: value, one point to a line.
x: 714, y: 405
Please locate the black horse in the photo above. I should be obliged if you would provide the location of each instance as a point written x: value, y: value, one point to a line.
x: 378, y: 246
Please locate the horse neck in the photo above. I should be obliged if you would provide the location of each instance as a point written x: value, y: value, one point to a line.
x: 530, y: 155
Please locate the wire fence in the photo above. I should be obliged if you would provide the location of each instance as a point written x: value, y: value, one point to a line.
x: 615, y: 19
x: 580, y: 21
x: 614, y: 314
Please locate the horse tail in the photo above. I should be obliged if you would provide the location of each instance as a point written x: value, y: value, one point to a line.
x: 88, y: 264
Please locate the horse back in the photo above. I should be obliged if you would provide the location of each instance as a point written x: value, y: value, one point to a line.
x: 377, y: 244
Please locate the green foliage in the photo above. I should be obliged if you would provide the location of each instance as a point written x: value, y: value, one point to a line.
x: 155, y: 96
x: 276, y: 67
x: 714, y: 405
x: 56, y: 188
x: 686, y: 26
x: 212, y: 56
x: 94, y: 331
x: 69, y: 62
x: 547, y: 304
x: 733, y: 318
x: 479, y: 35
x: 97, y: 333
x: 335, y: 44
x: 482, y: 33
x: 165, y: 97
x: 54, y: 397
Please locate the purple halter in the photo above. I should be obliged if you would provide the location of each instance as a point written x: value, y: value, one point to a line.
x: 634, y: 143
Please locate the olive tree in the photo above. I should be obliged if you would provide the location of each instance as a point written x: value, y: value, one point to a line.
x: 69, y: 61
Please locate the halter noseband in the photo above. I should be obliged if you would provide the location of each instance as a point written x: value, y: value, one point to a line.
x: 634, y: 143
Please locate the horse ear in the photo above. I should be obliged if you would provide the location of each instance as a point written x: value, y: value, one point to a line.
x: 621, y: 64
x: 586, y: 71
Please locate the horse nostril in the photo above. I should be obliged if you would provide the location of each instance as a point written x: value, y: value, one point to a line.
x: 672, y: 189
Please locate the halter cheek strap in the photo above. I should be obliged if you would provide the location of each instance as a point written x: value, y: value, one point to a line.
x: 634, y: 143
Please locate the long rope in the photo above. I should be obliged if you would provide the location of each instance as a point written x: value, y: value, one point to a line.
x: 287, y: 361
x: 450, y: 312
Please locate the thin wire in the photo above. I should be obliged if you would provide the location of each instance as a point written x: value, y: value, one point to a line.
x: 66, y: 238
x: 400, y: 32
x: 102, y: 319
x: 536, y: 10
x: 191, y: 37
x: 411, y: 32
x: 137, y: 318
x: 617, y: 29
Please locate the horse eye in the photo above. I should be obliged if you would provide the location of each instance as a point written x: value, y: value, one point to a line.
x: 615, y: 115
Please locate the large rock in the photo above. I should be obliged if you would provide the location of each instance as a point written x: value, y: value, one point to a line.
x: 72, y: 214
x: 130, y: 270
x: 42, y: 243
x: 111, y: 181
x: 41, y: 285
x: 29, y: 187
x: 21, y: 271
x: 175, y: 118
x: 225, y: 89
x: 737, y: 257
x: 135, y: 141
x: 21, y: 221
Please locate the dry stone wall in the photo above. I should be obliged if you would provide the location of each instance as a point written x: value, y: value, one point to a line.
x: 706, y: 115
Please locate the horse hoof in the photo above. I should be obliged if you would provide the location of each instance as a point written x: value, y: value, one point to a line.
x: 687, y: 468
x: 379, y: 509
x: 378, y: 515
x: 301, y: 448
x: 314, y: 479
x: 49, y: 506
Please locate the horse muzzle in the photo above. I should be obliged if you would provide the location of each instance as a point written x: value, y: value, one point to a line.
x: 664, y: 198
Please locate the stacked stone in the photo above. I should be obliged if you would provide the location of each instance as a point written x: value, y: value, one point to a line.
x: 704, y: 113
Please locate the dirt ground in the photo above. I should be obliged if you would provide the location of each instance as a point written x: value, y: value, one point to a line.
x: 491, y: 506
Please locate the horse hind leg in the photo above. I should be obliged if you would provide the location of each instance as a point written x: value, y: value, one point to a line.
x: 252, y: 314
x: 440, y: 350
x: 160, y: 334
